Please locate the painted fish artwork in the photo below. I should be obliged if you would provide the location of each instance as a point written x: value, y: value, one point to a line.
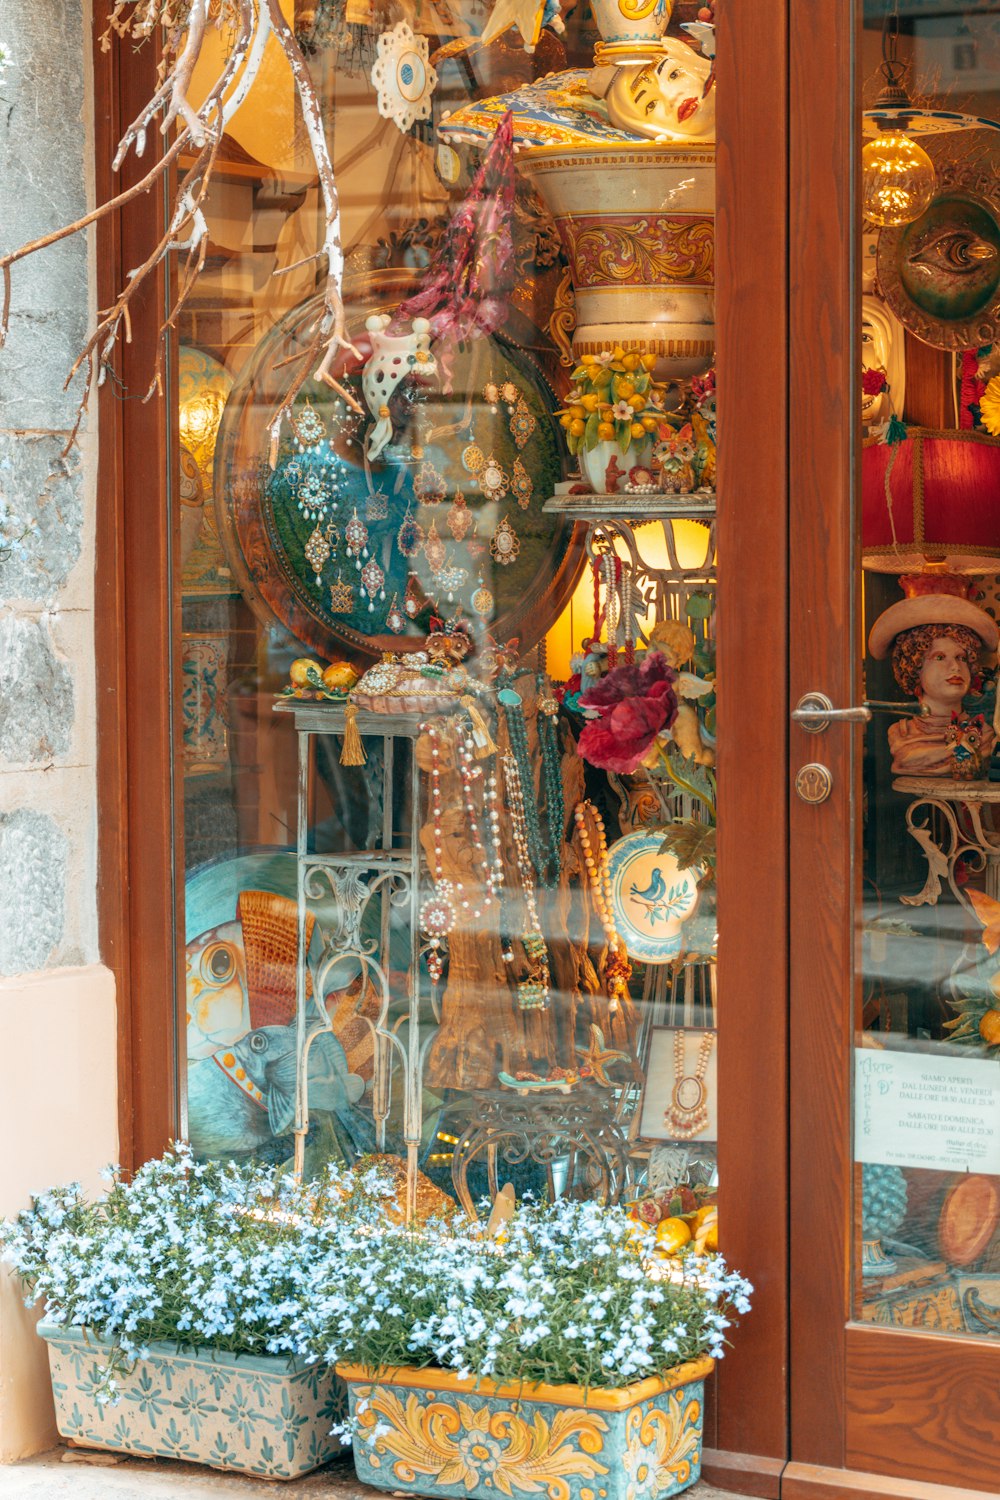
x: 240, y: 960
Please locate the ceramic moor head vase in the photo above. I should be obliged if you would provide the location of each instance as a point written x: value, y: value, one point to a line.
x: 624, y: 159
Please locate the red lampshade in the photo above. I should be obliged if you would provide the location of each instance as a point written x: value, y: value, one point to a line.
x: 945, y: 502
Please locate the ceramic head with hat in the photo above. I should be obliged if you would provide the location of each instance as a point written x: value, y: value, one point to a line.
x: 936, y: 638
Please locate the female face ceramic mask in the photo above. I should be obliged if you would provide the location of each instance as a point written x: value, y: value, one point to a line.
x: 671, y: 99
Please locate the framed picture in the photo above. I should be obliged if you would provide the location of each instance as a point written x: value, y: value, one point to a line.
x: 680, y: 1093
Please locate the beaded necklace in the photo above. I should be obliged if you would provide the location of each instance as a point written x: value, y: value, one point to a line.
x: 555, y: 801
x: 439, y: 912
x: 687, y: 1113
x: 533, y: 992
x: 517, y: 733
x: 617, y: 968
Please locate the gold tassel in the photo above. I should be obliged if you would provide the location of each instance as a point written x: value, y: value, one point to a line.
x: 353, y: 752
x: 481, y: 736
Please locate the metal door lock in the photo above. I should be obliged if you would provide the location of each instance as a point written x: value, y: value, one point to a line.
x: 814, y: 782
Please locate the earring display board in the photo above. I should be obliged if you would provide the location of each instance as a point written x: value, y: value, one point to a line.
x: 357, y: 555
x: 677, y: 1097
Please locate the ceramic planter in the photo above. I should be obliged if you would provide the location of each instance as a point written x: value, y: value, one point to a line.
x: 637, y: 224
x: 430, y: 1433
x: 254, y: 1414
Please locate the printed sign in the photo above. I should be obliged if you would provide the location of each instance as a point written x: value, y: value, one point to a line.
x: 921, y: 1110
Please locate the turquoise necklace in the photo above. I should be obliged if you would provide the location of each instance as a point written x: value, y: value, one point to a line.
x: 545, y: 851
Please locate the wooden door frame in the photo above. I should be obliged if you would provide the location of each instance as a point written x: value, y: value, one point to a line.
x: 751, y: 1412
x: 873, y: 1411
x: 138, y: 890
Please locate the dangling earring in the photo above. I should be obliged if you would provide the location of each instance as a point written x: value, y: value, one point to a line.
x: 429, y: 486
x: 522, y: 422
x: 341, y: 597
x: 333, y: 537
x: 311, y: 496
x: 522, y: 486
x: 434, y: 549
x: 395, y: 619
x: 372, y: 583
x: 413, y: 599
x: 504, y: 544
x: 482, y: 601
x: 493, y: 480
x: 317, y: 553
x: 376, y: 506
x: 410, y: 535
x: 308, y: 427
x: 451, y: 578
x: 356, y: 539
x: 459, y: 517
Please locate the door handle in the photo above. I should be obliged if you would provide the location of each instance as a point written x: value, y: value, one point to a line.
x: 815, y: 712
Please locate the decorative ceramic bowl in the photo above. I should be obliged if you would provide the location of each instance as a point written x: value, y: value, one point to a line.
x: 636, y: 218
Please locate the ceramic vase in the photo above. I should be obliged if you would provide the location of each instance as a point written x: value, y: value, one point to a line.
x: 595, y: 462
x: 637, y: 224
x: 431, y: 1433
x: 254, y: 1414
x: 629, y: 28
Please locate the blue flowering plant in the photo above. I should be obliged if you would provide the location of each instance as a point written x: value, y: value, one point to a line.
x: 569, y: 1293
x: 199, y: 1255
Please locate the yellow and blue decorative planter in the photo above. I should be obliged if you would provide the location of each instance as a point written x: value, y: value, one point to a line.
x: 254, y: 1414
x: 431, y: 1433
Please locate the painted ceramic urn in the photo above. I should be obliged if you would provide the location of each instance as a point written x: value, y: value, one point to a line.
x: 623, y: 157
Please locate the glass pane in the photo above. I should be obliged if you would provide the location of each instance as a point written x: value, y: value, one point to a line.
x: 463, y: 916
x: 927, y: 1066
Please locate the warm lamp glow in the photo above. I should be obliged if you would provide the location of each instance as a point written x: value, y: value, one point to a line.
x: 577, y: 619
x: 898, y: 179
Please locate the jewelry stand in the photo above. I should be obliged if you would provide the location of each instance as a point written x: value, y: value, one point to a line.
x: 386, y: 874
x: 961, y: 821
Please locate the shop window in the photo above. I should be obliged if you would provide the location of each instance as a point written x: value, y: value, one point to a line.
x: 447, y: 722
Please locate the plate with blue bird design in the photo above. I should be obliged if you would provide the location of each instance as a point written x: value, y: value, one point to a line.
x: 651, y: 896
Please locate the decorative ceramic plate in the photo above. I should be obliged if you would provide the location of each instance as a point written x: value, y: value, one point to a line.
x: 940, y: 275
x: 558, y: 110
x: 423, y: 525
x: 651, y: 897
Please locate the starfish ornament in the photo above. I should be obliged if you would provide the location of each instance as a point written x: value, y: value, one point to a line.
x: 597, y: 1058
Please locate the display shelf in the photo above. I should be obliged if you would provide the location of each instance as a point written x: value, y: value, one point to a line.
x: 635, y: 508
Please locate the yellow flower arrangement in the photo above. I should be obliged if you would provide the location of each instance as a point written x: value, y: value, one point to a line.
x: 989, y: 407
x: 614, y: 399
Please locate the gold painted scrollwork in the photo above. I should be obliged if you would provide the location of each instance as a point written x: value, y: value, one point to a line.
x: 562, y: 322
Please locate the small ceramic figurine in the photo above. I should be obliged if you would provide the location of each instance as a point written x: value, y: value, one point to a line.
x: 936, y: 640
x: 393, y: 358
x: 675, y: 455
x: 965, y: 736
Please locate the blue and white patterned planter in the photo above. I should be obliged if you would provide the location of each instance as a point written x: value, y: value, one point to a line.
x: 255, y: 1414
x: 431, y: 1433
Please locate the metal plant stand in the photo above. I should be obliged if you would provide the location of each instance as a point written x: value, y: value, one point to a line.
x: 960, y: 820
x: 389, y: 874
x: 557, y: 1131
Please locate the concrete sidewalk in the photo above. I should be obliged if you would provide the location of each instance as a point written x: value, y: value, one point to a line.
x: 72, y: 1475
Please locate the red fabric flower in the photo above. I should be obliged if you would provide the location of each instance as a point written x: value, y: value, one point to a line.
x: 873, y: 382
x: 633, y: 703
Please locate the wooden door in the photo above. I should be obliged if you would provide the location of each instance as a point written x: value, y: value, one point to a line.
x: 874, y: 1409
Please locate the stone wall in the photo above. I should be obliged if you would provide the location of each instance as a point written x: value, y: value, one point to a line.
x: 58, y: 1085
x: 47, y: 732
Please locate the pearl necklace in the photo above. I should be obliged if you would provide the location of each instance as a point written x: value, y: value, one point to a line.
x: 533, y: 992
x: 617, y: 968
x: 687, y: 1113
x: 439, y: 913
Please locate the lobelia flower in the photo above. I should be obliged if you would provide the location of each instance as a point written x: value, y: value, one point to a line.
x: 633, y: 703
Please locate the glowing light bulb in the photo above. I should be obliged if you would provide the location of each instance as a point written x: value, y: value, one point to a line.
x: 898, y: 179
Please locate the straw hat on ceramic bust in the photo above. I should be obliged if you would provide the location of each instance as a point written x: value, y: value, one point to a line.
x: 931, y: 599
